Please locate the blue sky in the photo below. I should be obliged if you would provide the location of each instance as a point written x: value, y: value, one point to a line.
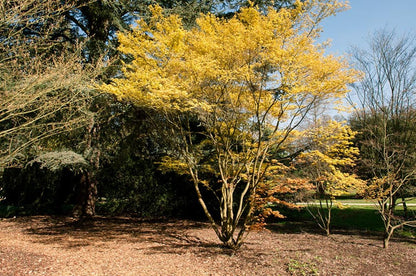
x: 353, y: 27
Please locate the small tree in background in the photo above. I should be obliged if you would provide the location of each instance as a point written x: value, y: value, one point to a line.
x: 215, y: 90
x: 326, y: 164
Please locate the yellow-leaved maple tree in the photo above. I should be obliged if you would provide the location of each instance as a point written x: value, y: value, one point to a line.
x: 327, y: 164
x: 226, y: 92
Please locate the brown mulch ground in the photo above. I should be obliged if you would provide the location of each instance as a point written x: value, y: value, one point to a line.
x: 44, y: 245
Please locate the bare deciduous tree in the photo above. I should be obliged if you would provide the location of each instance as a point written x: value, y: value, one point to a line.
x: 385, y: 115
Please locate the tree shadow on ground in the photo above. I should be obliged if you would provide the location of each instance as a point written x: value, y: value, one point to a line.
x: 150, y: 236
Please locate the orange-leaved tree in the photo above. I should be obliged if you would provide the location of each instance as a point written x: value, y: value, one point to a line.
x: 228, y: 91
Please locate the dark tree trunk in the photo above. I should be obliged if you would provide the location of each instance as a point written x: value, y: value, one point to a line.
x: 87, y: 194
x: 406, y: 213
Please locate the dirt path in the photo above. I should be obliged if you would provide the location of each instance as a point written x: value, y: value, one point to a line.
x: 120, y: 246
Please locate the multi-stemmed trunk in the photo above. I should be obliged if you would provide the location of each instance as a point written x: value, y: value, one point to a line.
x: 234, y: 222
x: 323, y: 213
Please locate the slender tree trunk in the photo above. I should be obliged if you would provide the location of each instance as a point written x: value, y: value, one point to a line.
x: 406, y: 214
x: 393, y: 203
x: 328, y: 217
x: 202, y: 203
x: 94, y: 159
x: 328, y: 224
x: 387, y: 215
x: 387, y: 236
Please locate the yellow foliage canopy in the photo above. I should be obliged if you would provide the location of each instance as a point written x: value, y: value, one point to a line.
x: 256, y: 63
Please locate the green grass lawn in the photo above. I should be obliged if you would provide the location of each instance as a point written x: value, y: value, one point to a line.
x: 359, y: 214
x: 360, y: 218
x: 370, y: 204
